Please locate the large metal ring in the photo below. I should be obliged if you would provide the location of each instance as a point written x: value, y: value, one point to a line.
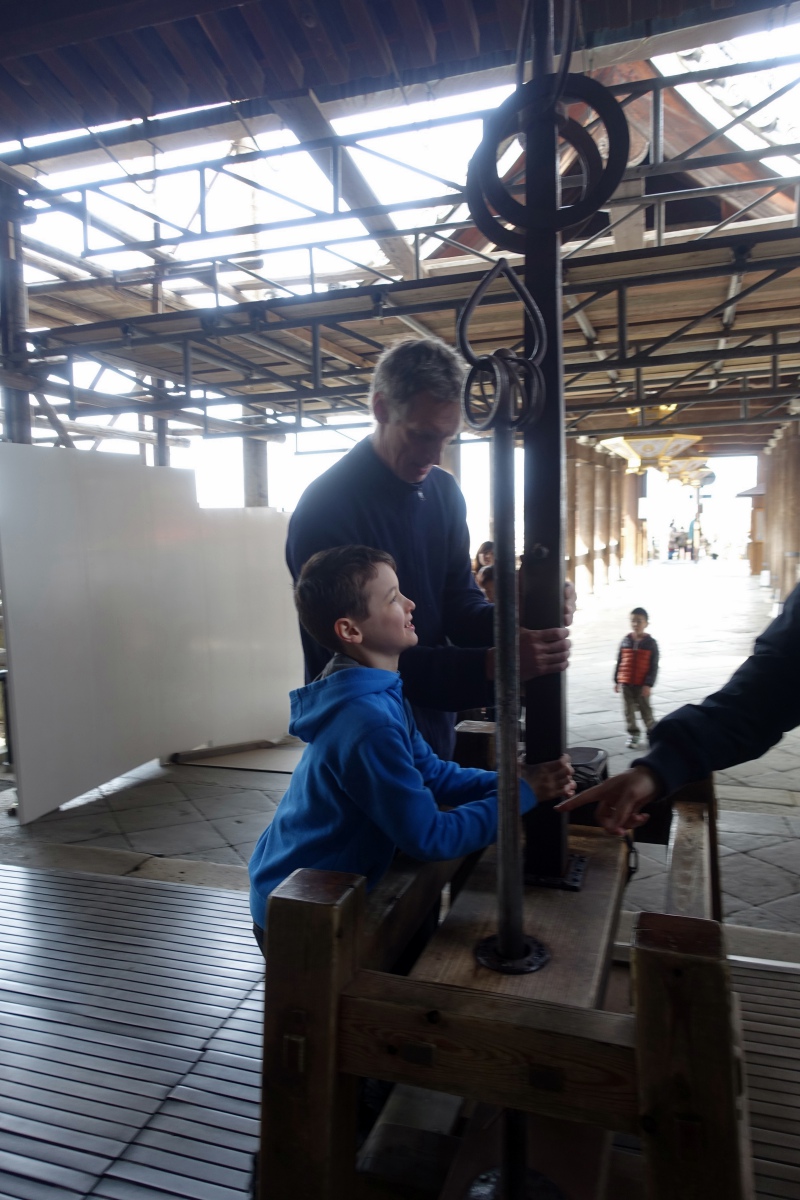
x: 504, y: 122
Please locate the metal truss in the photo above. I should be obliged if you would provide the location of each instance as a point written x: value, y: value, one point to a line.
x: 704, y: 317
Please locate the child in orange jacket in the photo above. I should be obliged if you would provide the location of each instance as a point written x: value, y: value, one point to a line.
x: 635, y: 673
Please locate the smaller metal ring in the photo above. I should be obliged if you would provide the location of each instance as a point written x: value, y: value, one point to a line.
x: 486, y: 364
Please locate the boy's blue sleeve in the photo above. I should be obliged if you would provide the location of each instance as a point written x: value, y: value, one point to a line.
x: 385, y: 782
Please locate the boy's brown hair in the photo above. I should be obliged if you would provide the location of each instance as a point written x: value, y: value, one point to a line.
x: 331, y: 585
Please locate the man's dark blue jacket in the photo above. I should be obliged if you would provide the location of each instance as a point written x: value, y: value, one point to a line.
x: 423, y: 526
x: 758, y: 704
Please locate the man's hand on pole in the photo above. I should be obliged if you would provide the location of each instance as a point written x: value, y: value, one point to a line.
x: 619, y: 800
x: 551, y: 780
x: 542, y: 651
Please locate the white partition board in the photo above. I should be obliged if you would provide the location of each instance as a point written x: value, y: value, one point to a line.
x: 137, y: 623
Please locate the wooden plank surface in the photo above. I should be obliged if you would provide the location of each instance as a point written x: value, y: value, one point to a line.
x: 130, y: 1033
x: 689, y: 862
x: 576, y: 927
x: 538, y: 1057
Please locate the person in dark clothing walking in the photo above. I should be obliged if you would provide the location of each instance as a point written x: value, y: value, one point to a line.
x: 635, y: 673
x: 389, y: 492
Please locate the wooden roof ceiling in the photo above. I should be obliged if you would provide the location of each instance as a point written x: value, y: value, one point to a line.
x: 90, y: 62
x: 730, y: 365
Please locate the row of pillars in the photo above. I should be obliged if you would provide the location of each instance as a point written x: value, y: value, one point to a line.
x: 780, y: 524
x: 603, y: 530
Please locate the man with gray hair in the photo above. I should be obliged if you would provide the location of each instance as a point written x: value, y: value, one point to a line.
x: 389, y: 493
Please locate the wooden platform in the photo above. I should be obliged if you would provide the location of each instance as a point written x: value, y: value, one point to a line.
x: 130, y: 1039
x: 770, y: 999
x: 130, y: 1029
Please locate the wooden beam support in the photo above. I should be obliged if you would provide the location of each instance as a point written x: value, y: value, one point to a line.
x: 306, y: 120
x: 54, y: 420
x: 693, y: 882
x: 322, y: 40
x: 419, y: 40
x: 186, y: 45
x: 308, y: 1123
x: 543, y: 1058
x: 368, y: 33
x: 233, y: 51
x: 463, y: 27
x: 688, y: 874
x: 280, y: 57
x: 691, y: 1083
x: 399, y: 904
x: 118, y: 76
x: 150, y: 59
x: 87, y: 90
x: 509, y: 13
x: 28, y: 32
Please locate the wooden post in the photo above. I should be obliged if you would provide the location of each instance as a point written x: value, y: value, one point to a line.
x: 572, y: 509
x: 601, y: 518
x: 308, y: 1119
x: 584, y: 524
x: 693, y: 1108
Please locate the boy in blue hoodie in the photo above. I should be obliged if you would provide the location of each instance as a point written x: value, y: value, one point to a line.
x: 368, y: 784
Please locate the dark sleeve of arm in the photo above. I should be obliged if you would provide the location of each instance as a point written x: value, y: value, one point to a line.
x: 653, y: 672
x: 454, y: 677
x: 741, y: 721
x: 619, y: 660
x: 446, y: 677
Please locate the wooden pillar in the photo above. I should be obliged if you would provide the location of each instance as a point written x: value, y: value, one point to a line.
x: 601, y: 517
x: 571, y: 505
x: 631, y: 491
x: 308, y: 1122
x: 776, y: 517
x: 791, y: 574
x: 584, y: 522
x: 768, y: 476
x: 254, y: 458
x: 692, y: 1101
x: 161, y: 455
x: 617, y: 472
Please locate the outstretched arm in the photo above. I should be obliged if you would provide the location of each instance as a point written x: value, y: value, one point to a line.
x: 619, y: 800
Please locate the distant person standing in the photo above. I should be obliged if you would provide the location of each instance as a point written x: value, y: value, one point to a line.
x: 635, y: 673
x: 483, y: 558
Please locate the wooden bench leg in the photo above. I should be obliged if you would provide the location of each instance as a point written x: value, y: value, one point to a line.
x: 308, y: 1117
x: 691, y: 1089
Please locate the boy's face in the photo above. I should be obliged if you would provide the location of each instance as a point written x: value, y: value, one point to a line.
x: 638, y: 624
x: 388, y: 630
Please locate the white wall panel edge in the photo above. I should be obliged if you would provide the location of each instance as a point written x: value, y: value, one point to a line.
x: 137, y: 624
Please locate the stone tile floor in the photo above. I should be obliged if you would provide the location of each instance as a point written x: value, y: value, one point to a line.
x: 198, y: 825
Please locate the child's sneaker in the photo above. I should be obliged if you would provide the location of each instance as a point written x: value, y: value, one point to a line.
x: 633, y: 741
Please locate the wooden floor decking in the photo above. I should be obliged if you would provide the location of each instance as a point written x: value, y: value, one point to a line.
x: 130, y: 1027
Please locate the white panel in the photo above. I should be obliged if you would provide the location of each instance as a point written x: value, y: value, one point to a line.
x: 48, y: 635
x: 137, y: 624
x: 183, y: 700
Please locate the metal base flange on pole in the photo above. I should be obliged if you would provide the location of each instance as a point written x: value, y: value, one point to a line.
x: 488, y: 1187
x: 535, y: 955
x: 570, y: 881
